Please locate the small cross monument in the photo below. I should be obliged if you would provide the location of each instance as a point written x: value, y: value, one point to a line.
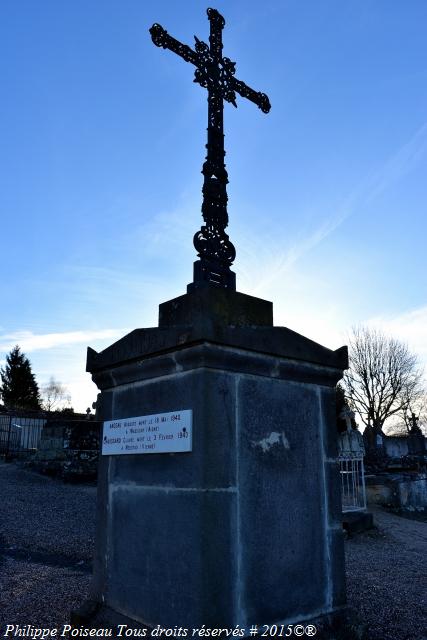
x: 216, y: 73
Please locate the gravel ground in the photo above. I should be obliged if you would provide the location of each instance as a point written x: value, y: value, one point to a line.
x: 387, y: 577
x: 46, y: 545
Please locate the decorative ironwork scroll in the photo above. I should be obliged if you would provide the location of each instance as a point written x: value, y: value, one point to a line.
x: 216, y: 74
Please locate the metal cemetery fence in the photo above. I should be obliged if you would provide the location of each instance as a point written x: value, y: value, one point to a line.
x: 352, y: 483
x: 351, y: 450
x: 20, y: 434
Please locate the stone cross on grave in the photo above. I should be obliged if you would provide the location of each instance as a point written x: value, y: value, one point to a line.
x: 216, y: 74
x: 211, y: 421
x: 414, y: 423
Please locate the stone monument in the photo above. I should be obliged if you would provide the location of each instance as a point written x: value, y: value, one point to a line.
x: 218, y: 498
x: 416, y: 441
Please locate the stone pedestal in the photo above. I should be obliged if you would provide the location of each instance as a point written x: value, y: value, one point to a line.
x: 246, y: 528
x: 416, y: 442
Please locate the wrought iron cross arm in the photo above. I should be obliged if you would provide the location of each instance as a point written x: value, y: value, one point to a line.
x: 161, y: 38
x: 260, y: 99
x: 215, y: 73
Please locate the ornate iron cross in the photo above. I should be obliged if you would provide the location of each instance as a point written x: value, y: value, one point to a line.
x: 216, y: 74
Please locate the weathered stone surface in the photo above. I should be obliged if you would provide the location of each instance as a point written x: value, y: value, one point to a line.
x: 217, y: 357
x: 281, y: 489
x: 258, y: 449
x: 245, y: 527
x: 405, y: 490
x: 328, y: 408
x: 279, y: 341
x: 357, y: 521
x: 68, y: 448
x: 212, y: 306
x: 333, y: 482
x: 243, y: 324
x: 175, y: 564
x: 335, y: 568
x: 210, y: 465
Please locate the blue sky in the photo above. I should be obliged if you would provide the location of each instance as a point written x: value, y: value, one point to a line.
x: 102, y: 143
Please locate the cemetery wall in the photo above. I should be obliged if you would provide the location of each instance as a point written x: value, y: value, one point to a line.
x: 398, y: 490
x: 396, y: 447
x: 69, y: 449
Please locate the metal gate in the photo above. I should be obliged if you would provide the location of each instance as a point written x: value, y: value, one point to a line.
x: 20, y: 434
x: 353, y: 492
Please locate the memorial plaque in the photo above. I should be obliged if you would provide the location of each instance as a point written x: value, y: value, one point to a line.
x: 158, y: 433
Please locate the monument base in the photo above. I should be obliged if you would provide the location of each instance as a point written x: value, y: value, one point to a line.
x: 357, y: 521
x: 246, y: 527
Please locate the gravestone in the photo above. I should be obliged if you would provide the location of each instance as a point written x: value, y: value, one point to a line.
x: 218, y: 499
x: 416, y: 440
x: 350, y: 441
x: 69, y: 448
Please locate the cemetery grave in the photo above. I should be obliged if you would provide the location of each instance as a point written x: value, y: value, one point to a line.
x: 211, y: 421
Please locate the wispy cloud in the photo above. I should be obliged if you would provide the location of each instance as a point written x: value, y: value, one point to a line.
x: 260, y: 269
x: 274, y: 265
x: 29, y: 341
x: 399, y: 164
x: 169, y: 228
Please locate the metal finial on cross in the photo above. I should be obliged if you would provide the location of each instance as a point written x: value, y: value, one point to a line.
x: 216, y: 74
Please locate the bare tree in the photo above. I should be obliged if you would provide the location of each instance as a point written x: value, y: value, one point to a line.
x: 415, y: 406
x: 384, y: 378
x: 55, y: 396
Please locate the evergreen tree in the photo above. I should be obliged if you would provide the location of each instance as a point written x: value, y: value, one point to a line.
x: 19, y: 389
